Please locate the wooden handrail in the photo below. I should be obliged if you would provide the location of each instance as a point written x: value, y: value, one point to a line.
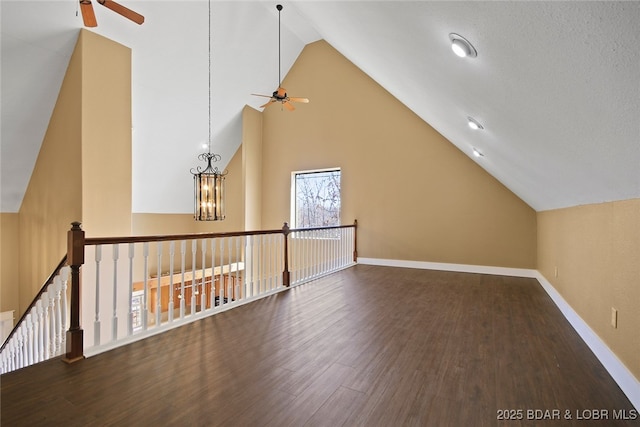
x: 93, y: 241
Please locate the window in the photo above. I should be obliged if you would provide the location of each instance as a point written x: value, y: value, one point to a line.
x: 315, y: 198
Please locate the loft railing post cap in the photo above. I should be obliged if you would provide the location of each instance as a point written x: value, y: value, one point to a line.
x: 285, y: 228
x: 75, y: 245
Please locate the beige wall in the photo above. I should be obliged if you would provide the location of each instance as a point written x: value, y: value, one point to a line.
x: 596, y: 249
x: 9, y: 261
x: 415, y: 195
x: 83, y: 170
x: 54, y: 195
x: 106, y: 136
x: 252, y: 167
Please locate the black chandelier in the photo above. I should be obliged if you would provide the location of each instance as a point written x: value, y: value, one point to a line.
x: 208, y: 183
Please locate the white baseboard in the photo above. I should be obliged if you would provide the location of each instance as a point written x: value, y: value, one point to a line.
x: 629, y: 384
x: 462, y: 268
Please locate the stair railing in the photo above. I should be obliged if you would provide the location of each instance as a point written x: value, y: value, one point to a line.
x: 39, y: 335
x: 130, y: 288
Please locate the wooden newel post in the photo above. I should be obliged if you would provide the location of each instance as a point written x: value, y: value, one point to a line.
x: 75, y: 259
x: 355, y: 240
x: 285, y: 273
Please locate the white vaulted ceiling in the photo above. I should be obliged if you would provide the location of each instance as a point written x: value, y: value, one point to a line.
x: 556, y: 85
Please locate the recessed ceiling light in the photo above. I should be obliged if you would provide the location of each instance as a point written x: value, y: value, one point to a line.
x: 477, y: 152
x: 461, y: 46
x: 473, y: 124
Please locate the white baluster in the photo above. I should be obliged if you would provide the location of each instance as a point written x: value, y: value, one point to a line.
x: 268, y: 271
x: 37, y: 348
x: 64, y: 306
x: 319, y: 252
x: 203, y: 288
x: 28, y: 341
x: 36, y: 334
x: 212, y: 297
x: 52, y: 321
x: 15, y: 349
x: 21, y: 347
x: 11, y: 359
x: 245, y: 259
x: 40, y: 332
x: 312, y: 255
x: 194, y: 286
x: 130, y: 300
x: 227, y: 282
x: 46, y: 328
x: 4, y: 357
x: 324, y: 242
x: 305, y: 255
x: 279, y: 262
x: 13, y: 365
x: 330, y: 250
x: 258, y: 260
x: 145, y: 296
x: 183, y: 254
x: 248, y: 263
x: 236, y: 292
x: 158, y: 287
x: 348, y: 239
x: 59, y: 327
x: 96, y: 321
x: 172, y: 250
x: 114, y: 316
x: 342, y: 249
x: 345, y: 247
x: 221, y: 295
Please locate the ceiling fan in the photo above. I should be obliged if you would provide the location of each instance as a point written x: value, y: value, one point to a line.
x: 280, y: 95
x: 89, y: 17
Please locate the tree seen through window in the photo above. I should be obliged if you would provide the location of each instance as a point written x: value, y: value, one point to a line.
x: 317, y: 198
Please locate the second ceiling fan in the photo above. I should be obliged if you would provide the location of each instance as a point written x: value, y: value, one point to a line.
x: 280, y: 94
x: 89, y: 16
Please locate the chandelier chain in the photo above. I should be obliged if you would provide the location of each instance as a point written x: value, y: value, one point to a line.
x: 209, y: 140
x: 279, y: 48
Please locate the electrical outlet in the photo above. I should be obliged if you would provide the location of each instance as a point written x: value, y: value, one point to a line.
x: 614, y: 317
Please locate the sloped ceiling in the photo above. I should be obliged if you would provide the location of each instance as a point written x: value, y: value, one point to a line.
x: 555, y: 84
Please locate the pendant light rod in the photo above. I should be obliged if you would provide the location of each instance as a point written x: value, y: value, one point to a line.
x: 209, y: 140
x: 279, y: 7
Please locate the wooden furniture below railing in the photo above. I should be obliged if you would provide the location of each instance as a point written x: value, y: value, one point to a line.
x: 229, y: 275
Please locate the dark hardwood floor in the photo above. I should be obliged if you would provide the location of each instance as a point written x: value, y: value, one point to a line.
x: 368, y: 346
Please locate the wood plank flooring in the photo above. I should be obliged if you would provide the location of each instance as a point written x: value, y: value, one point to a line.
x: 368, y: 346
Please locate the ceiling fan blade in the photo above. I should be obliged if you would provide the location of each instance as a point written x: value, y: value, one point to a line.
x: 282, y: 92
x: 267, y: 104
x: 88, y: 15
x: 257, y: 94
x: 288, y: 106
x: 124, y: 11
x: 304, y: 100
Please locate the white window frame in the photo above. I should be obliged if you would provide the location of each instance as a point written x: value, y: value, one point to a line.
x: 292, y: 199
